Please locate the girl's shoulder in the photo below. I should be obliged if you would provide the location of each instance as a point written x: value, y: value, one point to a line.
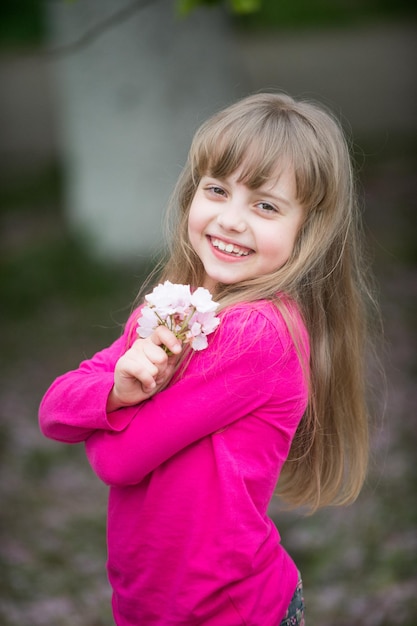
x: 280, y: 313
x: 279, y: 320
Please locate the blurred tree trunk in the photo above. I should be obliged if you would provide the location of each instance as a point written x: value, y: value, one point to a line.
x: 129, y: 102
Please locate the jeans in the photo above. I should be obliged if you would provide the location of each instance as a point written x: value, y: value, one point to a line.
x: 295, y: 613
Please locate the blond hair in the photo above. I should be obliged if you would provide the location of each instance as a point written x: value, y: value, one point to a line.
x: 324, y: 275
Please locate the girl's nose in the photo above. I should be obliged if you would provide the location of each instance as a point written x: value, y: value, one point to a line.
x: 232, y: 218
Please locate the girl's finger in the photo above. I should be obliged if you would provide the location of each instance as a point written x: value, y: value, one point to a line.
x: 162, y: 336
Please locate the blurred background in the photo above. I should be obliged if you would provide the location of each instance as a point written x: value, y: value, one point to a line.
x: 99, y: 100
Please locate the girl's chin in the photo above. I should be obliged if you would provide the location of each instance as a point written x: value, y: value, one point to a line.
x: 211, y: 283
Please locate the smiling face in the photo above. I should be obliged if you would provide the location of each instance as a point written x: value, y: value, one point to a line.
x: 241, y: 233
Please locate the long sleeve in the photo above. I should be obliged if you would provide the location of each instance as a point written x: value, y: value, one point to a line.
x: 75, y: 404
x: 250, y: 367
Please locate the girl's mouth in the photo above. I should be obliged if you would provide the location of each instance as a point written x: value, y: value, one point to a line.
x: 229, y: 248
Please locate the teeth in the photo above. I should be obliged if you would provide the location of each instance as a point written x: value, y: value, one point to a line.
x: 229, y: 247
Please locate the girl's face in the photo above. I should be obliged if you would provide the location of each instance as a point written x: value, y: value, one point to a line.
x: 241, y: 233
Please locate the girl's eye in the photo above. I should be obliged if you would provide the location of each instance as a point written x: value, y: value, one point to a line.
x: 267, y: 208
x: 218, y: 191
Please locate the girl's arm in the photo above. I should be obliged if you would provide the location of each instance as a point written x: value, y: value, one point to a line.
x: 143, y: 369
x: 84, y: 400
x: 250, y: 362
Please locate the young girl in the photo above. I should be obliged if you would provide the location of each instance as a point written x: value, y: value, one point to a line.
x: 192, y: 444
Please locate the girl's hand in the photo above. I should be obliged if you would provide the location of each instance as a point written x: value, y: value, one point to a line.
x: 144, y: 369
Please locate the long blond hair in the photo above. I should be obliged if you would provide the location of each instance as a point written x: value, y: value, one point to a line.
x: 324, y: 275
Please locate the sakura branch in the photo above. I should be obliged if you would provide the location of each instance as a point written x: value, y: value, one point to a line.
x: 189, y: 315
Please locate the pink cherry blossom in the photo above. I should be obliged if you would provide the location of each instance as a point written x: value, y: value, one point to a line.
x: 202, y: 300
x: 189, y: 315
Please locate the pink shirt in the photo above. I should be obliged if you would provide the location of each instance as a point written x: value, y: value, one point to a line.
x: 191, y: 474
